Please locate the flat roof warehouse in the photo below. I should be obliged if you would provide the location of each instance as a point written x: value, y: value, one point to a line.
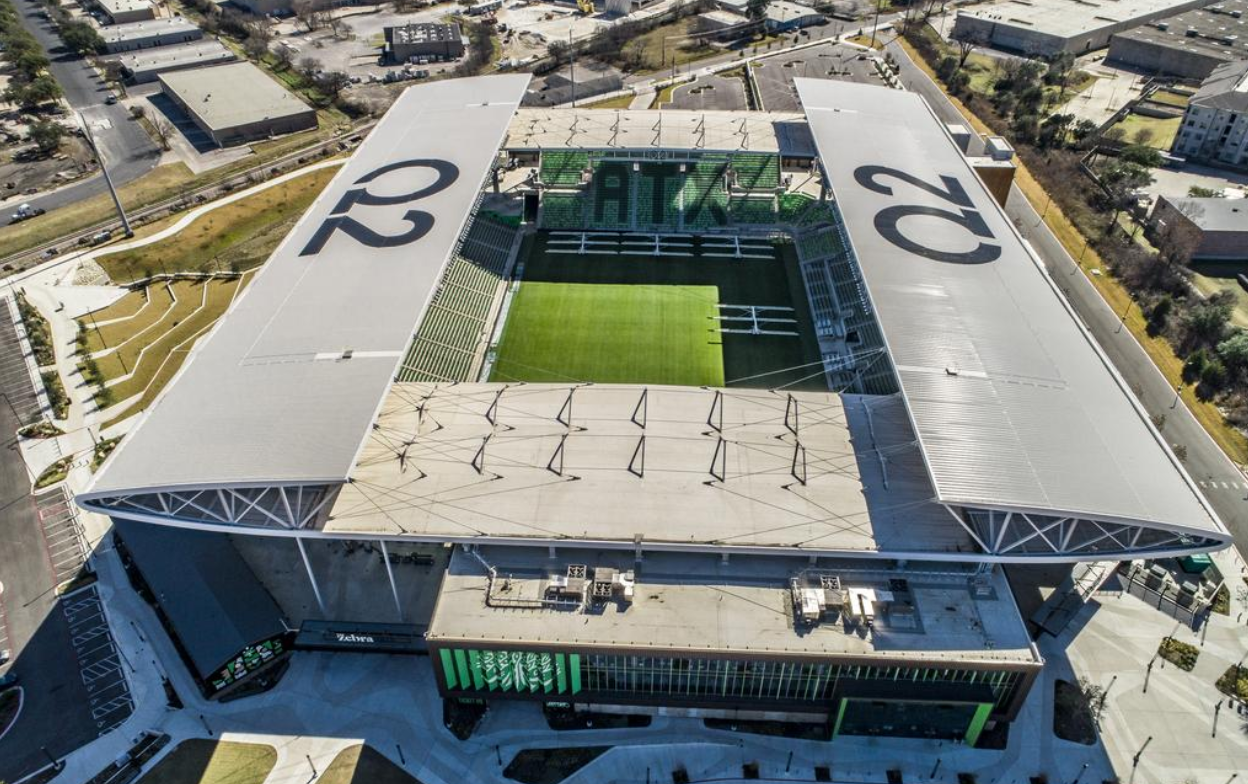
x: 1014, y: 408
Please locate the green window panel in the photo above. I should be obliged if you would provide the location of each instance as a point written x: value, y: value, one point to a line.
x: 448, y: 668
x: 461, y: 667
x: 575, y: 660
x: 561, y: 673
x: 840, y: 716
x: 977, y: 723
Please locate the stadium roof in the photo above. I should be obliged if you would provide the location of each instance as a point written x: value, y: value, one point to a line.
x: 1015, y: 406
x: 287, y: 384
x: 670, y: 129
x: 472, y: 461
x: 1016, y: 434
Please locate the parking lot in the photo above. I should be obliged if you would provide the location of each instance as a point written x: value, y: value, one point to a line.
x: 62, y: 536
x: 100, y: 662
x: 774, y: 75
x: 40, y: 546
x: 713, y: 92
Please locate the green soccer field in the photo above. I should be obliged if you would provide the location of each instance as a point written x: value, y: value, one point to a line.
x: 612, y: 334
x: 647, y: 320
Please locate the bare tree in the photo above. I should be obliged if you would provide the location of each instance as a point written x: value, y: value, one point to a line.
x: 310, y: 14
x: 309, y: 67
x: 162, y: 129
x: 966, y: 40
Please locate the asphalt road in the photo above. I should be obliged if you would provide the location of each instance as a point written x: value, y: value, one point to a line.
x: 56, y: 711
x: 1222, y: 484
x: 128, y: 151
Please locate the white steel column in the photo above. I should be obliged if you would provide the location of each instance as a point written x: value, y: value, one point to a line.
x: 385, y: 557
x: 316, y: 589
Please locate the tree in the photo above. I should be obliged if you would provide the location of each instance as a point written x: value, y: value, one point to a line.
x: 1205, y: 323
x: 47, y: 136
x: 1141, y: 155
x: 332, y: 83
x: 309, y: 67
x: 756, y: 10
x: 256, y: 46
x: 1234, y: 352
x: 1122, y: 181
x: 966, y: 40
x: 310, y: 13
x: 1159, y: 314
x: 162, y: 130
x: 42, y: 89
x: 82, y: 38
x: 281, y: 58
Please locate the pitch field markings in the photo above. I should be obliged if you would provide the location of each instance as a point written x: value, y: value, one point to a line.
x: 612, y: 333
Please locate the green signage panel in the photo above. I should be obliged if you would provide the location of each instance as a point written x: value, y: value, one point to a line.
x: 515, y: 671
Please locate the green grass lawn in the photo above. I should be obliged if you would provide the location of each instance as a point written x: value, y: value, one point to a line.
x: 1213, y: 277
x: 612, y: 334
x: 641, y: 319
x: 1163, y: 129
x: 213, y: 762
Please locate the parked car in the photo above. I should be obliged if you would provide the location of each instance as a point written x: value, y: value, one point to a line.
x: 8, y: 681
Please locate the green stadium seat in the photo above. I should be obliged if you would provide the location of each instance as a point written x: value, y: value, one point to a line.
x: 745, y: 210
x: 562, y: 168
x: 756, y: 171
x: 705, y: 199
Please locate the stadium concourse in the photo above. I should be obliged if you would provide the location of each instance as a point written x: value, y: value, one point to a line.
x: 729, y: 414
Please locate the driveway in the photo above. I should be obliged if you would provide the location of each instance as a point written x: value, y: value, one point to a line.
x: 128, y: 151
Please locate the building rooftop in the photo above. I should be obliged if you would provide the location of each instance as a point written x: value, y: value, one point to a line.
x: 1214, y: 214
x: 699, y: 604
x: 1015, y: 406
x: 1068, y: 18
x: 208, y: 52
x: 226, y: 96
x: 112, y: 7
x: 1213, y: 31
x: 423, y: 32
x: 1225, y: 89
x: 130, y: 31
x: 424, y: 474
x: 601, y: 129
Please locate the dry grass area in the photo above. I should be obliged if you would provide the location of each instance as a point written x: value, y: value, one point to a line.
x: 213, y: 762
x: 235, y: 236
x: 157, y: 356
x: 1228, y: 438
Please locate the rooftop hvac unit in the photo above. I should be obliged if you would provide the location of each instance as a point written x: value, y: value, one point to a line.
x: 812, y: 604
x: 862, y: 605
x: 611, y: 583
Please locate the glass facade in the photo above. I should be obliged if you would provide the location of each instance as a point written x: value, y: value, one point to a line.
x: 682, y: 680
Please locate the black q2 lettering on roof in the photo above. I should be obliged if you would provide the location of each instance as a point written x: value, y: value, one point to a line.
x: 421, y: 221
x: 887, y: 220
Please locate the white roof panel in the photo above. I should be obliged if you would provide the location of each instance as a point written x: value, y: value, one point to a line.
x: 1014, y: 404
x: 268, y: 396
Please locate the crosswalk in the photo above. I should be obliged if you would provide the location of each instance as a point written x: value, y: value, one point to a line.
x: 1214, y: 484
